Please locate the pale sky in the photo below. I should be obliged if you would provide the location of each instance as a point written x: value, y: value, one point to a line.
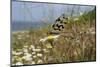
x: 33, y: 12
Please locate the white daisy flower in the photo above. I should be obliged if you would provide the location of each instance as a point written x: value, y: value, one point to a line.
x: 28, y: 55
x: 39, y: 55
x: 33, y: 52
x: 34, y: 56
x: 32, y: 47
x: 33, y: 62
x: 25, y: 46
x: 45, y: 50
x: 28, y: 59
x: 19, y: 63
x: 43, y: 40
x: 25, y: 50
x: 17, y: 53
x: 23, y: 57
x: 36, y: 50
x: 48, y: 45
x: 38, y: 47
x: 39, y: 61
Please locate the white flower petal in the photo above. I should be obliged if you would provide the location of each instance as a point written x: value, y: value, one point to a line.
x: 34, y: 56
x: 33, y: 52
x: 19, y: 63
x: 33, y: 62
x: 45, y: 50
x: 32, y: 46
x: 39, y: 61
x: 17, y: 53
x: 36, y: 50
x: 39, y: 55
x: 25, y: 50
x: 25, y: 46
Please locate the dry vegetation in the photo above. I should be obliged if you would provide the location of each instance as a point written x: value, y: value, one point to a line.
x: 79, y: 44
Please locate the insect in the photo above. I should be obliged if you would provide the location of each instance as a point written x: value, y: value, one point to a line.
x: 59, y: 24
x: 56, y: 30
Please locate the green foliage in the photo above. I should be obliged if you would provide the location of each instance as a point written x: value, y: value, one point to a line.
x: 90, y: 16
